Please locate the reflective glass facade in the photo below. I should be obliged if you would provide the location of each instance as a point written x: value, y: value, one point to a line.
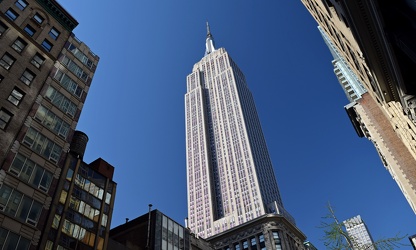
x: 84, y: 209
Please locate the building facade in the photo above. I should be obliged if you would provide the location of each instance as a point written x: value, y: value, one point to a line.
x: 358, y: 233
x: 269, y: 231
x: 154, y: 231
x: 45, y: 75
x: 229, y: 172
x: 82, y: 208
x: 376, y: 41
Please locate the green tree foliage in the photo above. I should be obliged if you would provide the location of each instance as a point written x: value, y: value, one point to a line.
x: 337, y: 238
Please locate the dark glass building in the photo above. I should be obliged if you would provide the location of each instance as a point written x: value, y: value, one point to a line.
x: 153, y: 231
x: 81, y: 212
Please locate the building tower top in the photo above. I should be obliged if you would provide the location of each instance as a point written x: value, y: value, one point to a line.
x: 209, y: 43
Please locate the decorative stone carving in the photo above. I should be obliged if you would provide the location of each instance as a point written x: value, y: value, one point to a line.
x: 2, y: 176
x: 28, y: 121
x: 47, y: 203
x: 39, y: 99
x: 36, y: 237
x: 66, y: 148
x: 15, y: 147
x: 57, y: 173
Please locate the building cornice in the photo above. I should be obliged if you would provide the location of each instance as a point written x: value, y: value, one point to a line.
x: 59, y: 13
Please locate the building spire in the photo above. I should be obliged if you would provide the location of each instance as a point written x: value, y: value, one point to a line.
x: 209, y: 43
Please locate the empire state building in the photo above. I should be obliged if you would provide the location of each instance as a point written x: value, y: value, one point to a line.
x: 230, y: 176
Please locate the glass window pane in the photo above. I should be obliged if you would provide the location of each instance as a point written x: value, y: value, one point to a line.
x: 21, y: 4
x: 3, y: 28
x: 13, y: 203
x: 30, y: 137
x: 38, y: 18
x: 5, y: 192
x: 54, y: 33
x: 37, y: 60
x: 27, y: 170
x: 11, y: 241
x: 23, y: 244
x: 46, y: 181
x: 47, y: 45
x: 29, y: 30
x: 41, y: 113
x: 37, y: 176
x: 5, y: 117
x: 39, y: 143
x: 35, y: 212
x: 24, y: 208
x: 15, y: 96
x: 11, y: 14
x: 17, y: 164
x: 3, y: 235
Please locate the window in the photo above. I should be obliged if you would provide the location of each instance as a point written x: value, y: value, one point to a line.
x: 81, y: 56
x: 261, y: 242
x: 11, y: 240
x: 37, y: 60
x: 38, y: 18
x: 253, y: 242
x: 52, y: 121
x: 1, y: 78
x: 277, y: 241
x: 61, y: 101
x: 20, y: 206
x: 5, y: 117
x: 19, y: 45
x: 68, y: 83
x: 31, y: 173
x: 245, y: 245
x: 21, y: 4
x: 77, y: 70
x: 10, y: 13
x: 47, y: 45
x: 42, y: 145
x: 54, y: 33
x: 16, y: 96
x: 29, y: 30
x: 27, y: 77
x: 7, y: 61
x: 3, y: 28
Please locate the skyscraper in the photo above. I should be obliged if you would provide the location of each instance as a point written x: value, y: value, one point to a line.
x: 358, y: 233
x: 229, y: 172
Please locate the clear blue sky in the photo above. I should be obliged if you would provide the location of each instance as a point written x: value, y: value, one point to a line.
x: 134, y: 113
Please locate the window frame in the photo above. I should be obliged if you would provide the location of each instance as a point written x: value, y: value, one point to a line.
x: 16, y: 100
x: 4, y: 122
x: 29, y: 30
x: 27, y: 79
x: 21, y: 4
x: 38, y: 18
x: 54, y: 33
x: 7, y: 63
x: 37, y: 63
x: 52, y: 121
x: 11, y: 14
x: 41, y: 144
x: 19, y: 47
x: 20, y: 167
x: 3, y: 28
x: 61, y: 101
x: 47, y: 42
